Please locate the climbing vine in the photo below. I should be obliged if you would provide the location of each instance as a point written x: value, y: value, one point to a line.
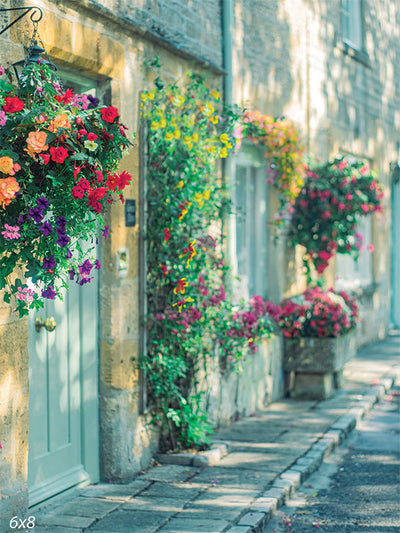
x: 190, y: 312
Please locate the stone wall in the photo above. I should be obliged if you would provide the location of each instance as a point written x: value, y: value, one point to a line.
x: 232, y: 394
x: 14, y: 380
x: 14, y: 409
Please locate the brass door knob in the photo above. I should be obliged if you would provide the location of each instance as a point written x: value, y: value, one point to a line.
x: 49, y: 324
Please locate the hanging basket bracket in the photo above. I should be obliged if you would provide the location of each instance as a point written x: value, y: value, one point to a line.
x: 36, y: 15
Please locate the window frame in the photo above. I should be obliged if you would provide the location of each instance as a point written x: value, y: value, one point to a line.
x: 255, y: 279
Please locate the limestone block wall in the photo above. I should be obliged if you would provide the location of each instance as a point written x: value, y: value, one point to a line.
x: 234, y: 394
x: 187, y: 26
x: 14, y: 409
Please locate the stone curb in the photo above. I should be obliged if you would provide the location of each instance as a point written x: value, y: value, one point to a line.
x: 265, y: 506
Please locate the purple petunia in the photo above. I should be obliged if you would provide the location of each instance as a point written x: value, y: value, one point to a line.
x: 85, y: 268
x: 97, y: 264
x: 42, y: 203
x: 61, y: 221
x: 49, y: 263
x: 37, y: 214
x: 71, y: 274
x: 83, y: 280
x: 63, y: 240
x: 105, y: 231
x: 49, y: 293
x: 47, y: 228
x: 20, y: 219
x: 94, y: 102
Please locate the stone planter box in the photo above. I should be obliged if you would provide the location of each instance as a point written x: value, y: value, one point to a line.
x: 313, y: 366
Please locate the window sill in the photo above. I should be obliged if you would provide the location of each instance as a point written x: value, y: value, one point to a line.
x: 358, y: 55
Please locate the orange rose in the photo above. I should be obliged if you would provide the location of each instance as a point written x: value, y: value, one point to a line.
x: 36, y: 142
x: 60, y: 121
x: 6, y: 164
x: 8, y: 189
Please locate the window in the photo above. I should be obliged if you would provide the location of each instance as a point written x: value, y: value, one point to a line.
x: 251, y: 231
x: 350, y: 273
x: 351, y: 15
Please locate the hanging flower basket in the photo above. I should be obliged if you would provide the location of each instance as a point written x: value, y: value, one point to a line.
x: 59, y: 154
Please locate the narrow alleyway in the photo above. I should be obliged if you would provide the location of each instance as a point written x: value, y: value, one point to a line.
x: 268, y: 456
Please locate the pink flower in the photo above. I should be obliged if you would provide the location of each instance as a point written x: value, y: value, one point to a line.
x: 371, y: 247
x: 25, y: 294
x: 11, y: 232
x: 3, y: 118
x: 326, y: 215
x: 341, y: 206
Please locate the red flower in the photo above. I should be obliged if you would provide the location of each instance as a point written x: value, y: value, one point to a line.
x: 93, y: 198
x: 164, y: 271
x: 124, y: 179
x: 166, y: 234
x: 77, y: 192
x: 45, y: 158
x: 66, y: 97
x: 13, y: 104
x: 58, y: 154
x: 91, y: 137
x: 112, y: 181
x: 109, y: 114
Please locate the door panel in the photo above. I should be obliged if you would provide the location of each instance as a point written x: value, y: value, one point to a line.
x: 63, y: 395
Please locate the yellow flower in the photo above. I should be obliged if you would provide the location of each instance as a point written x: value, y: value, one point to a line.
x: 181, y: 184
x: 223, y: 153
x: 178, y: 100
x: 208, y: 109
x: 163, y: 123
x: 206, y: 194
x: 154, y: 125
x: 214, y: 119
x: 215, y: 94
x: 144, y: 97
x: 182, y: 284
x: 224, y: 138
x: 211, y: 149
x: 182, y: 303
x: 195, y: 137
x: 168, y: 136
x: 229, y: 145
x: 199, y: 198
x: 151, y: 94
x: 187, y: 139
x: 177, y: 134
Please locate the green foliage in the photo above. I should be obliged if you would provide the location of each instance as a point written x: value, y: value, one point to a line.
x: 189, y: 312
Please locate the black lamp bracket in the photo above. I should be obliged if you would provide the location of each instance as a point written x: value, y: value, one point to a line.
x: 36, y: 15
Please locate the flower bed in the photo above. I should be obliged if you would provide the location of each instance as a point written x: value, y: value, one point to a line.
x: 58, y: 171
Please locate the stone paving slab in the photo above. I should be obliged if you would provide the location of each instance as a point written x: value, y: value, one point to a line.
x: 132, y: 521
x: 115, y: 492
x: 169, y: 473
x: 90, y: 507
x: 180, y: 491
x: 235, y: 478
x: 194, y: 525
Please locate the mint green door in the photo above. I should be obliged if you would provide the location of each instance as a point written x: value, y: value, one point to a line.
x: 63, y: 404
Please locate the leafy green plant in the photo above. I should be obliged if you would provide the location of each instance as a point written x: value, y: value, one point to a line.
x: 188, y: 132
